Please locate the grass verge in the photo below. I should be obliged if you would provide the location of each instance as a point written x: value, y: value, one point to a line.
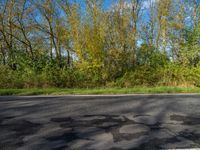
x: 136, y: 90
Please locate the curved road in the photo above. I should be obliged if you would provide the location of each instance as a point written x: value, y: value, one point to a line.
x: 100, y: 122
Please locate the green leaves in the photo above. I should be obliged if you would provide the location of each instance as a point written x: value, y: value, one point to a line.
x: 83, y: 44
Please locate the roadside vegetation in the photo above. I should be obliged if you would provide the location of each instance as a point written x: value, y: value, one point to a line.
x: 107, y: 91
x: 88, y: 47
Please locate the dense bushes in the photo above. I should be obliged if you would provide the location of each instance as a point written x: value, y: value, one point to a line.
x: 28, y: 78
x: 168, y: 75
x: 151, y: 68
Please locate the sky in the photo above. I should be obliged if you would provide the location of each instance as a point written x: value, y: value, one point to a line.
x: 107, y: 4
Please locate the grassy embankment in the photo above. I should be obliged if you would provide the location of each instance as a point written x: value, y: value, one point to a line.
x: 136, y: 90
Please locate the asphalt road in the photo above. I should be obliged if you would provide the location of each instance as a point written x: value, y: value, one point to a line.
x: 100, y: 122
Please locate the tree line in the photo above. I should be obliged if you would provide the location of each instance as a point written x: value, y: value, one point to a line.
x: 90, y: 43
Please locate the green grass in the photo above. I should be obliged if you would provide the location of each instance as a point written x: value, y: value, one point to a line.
x: 136, y: 90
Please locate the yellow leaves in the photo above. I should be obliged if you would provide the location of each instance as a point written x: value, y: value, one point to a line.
x: 177, y: 26
x: 164, y: 7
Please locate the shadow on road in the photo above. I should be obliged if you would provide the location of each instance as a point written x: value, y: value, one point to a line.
x: 151, y: 123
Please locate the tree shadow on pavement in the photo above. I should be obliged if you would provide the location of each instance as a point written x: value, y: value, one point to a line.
x: 151, y: 123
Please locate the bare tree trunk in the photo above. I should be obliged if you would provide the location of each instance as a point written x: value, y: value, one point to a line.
x: 136, y: 8
x: 3, y: 55
x: 68, y: 58
x: 51, y: 48
x: 195, y: 14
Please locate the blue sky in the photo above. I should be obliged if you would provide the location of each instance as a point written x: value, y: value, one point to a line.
x: 107, y: 3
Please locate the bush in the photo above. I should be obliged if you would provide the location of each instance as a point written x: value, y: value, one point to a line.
x: 142, y: 76
x: 177, y: 75
x: 168, y: 75
x: 10, y: 78
x: 54, y: 76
